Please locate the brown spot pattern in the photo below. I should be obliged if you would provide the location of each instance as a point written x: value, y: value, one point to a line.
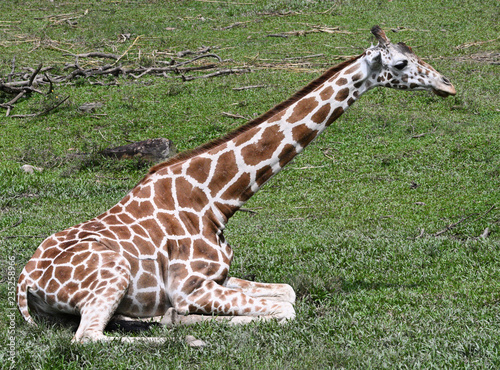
x: 199, y: 169
x: 336, y: 114
x: 341, y: 81
x: 264, y: 148
x: 302, y: 109
x: 287, y: 154
x: 226, y: 169
x: 326, y: 93
x: 342, y: 94
x: 303, y: 134
x: 320, y: 116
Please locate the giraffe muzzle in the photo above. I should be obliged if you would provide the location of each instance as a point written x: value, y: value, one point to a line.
x: 444, y: 88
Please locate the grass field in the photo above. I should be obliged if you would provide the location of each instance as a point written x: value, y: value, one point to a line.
x: 377, y: 225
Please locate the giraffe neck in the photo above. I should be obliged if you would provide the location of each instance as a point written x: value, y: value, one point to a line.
x: 227, y: 172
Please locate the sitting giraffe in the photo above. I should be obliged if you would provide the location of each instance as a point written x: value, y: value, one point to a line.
x: 161, y: 251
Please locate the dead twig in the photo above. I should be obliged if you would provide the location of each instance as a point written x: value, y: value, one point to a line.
x: 451, y: 226
x: 45, y: 111
x: 249, y: 87
x: 423, y: 134
x: 24, y: 236
x: 21, y: 84
x: 329, y: 30
x: 223, y: 72
x: 305, y: 57
x: 33, y: 75
x: 475, y: 43
x: 96, y: 55
x: 15, y: 224
x: 465, y: 218
x: 13, y: 68
x: 248, y: 210
x: 128, y: 49
x: 230, y: 115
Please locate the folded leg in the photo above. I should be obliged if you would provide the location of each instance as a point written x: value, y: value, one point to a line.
x: 276, y: 292
x: 214, y: 299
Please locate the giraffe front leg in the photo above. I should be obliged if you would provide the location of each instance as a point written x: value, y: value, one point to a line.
x: 276, y: 292
x: 212, y: 298
x: 105, y: 279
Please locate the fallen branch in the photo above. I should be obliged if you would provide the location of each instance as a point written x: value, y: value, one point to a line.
x: 24, y: 236
x: 475, y: 43
x: 223, y: 72
x: 305, y: 57
x: 15, y: 224
x: 95, y: 55
x: 231, y: 115
x: 21, y: 84
x: 248, y: 210
x: 249, y: 87
x: 41, y: 113
x: 423, y: 134
x: 329, y: 30
x: 33, y: 75
x: 128, y: 49
x: 451, y: 226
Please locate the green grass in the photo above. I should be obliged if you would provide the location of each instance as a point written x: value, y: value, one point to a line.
x: 342, y: 224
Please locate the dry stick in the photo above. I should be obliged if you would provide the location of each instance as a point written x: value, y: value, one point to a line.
x: 51, y: 86
x: 469, y: 44
x: 10, y: 104
x: 33, y: 75
x: 24, y: 236
x: 128, y: 49
x: 449, y: 227
x: 231, y: 115
x: 485, y: 213
x: 423, y: 134
x: 218, y: 73
x: 485, y: 233
x: 45, y: 111
x: 17, y: 223
x: 306, y: 57
x: 249, y: 87
x: 199, y: 57
x: 12, y: 69
x: 248, y: 210
x: 96, y: 55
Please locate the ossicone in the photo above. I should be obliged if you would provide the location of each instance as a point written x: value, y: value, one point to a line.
x: 380, y: 35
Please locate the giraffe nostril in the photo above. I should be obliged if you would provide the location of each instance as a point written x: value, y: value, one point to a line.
x: 446, y: 81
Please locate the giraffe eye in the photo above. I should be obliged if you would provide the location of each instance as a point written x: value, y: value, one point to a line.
x: 400, y: 65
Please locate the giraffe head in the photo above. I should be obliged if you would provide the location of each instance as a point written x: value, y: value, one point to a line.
x: 396, y: 66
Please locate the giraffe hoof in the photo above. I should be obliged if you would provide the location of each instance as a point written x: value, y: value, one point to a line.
x: 242, y: 320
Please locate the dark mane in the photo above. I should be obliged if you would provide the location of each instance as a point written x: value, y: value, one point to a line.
x: 403, y: 48
x: 231, y: 135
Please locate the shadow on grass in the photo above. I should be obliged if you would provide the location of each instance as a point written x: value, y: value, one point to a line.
x: 312, y: 288
x: 72, y: 322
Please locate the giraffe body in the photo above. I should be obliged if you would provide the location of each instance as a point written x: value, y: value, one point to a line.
x: 161, y: 249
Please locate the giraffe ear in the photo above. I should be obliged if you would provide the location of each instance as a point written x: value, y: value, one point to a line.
x: 380, y: 36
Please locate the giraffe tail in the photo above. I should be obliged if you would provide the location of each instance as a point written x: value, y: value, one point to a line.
x: 22, y: 297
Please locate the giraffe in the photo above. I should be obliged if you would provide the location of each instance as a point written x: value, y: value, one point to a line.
x: 161, y: 252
